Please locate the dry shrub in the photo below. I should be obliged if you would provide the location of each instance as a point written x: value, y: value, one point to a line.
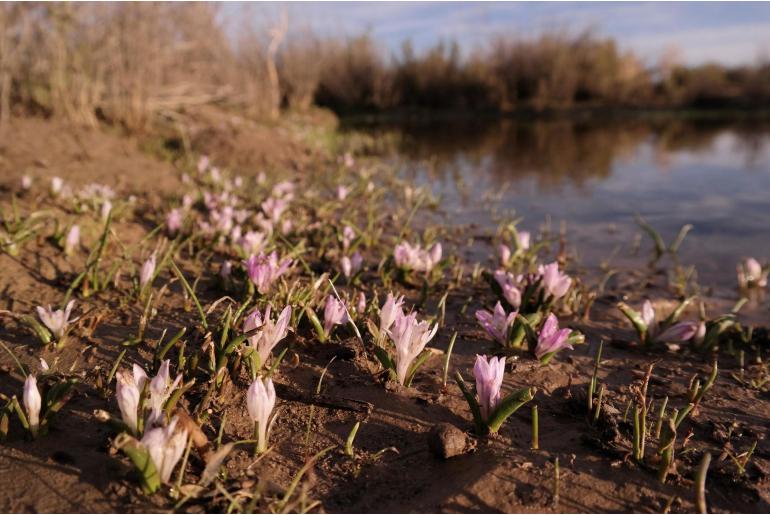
x: 354, y: 76
x: 128, y: 62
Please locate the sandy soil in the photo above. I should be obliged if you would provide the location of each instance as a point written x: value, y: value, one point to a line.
x: 74, y: 468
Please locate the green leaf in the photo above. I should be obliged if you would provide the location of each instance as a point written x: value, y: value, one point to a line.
x: 674, y: 247
x: 191, y: 292
x: 636, y: 319
x: 16, y: 407
x: 140, y: 457
x: 226, y: 327
x: 481, y: 426
x: 384, y: 358
x: 163, y: 350
x: 660, y: 246
x: 508, y: 407
x: 424, y: 355
x: 524, y: 326
x: 43, y: 334
x: 531, y: 290
x: 373, y: 329
x: 56, y: 398
x: 4, y: 422
x: 319, y: 329
x: 677, y: 313
x: 15, y: 359
x: 546, y: 358
x: 277, y: 362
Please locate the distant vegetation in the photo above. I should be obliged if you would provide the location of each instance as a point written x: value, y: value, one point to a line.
x: 127, y: 62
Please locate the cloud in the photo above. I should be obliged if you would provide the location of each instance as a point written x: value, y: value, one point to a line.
x: 730, y: 32
x: 738, y: 44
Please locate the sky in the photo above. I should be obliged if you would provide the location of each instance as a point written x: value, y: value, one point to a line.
x: 726, y: 32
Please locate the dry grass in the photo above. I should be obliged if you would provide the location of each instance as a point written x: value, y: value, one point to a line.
x: 127, y: 62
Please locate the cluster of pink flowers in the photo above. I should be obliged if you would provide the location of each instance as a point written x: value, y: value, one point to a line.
x: 409, y: 335
x: 129, y: 392
x: 225, y: 220
x: 267, y: 332
x: 414, y: 257
x: 263, y: 270
x: 554, y: 283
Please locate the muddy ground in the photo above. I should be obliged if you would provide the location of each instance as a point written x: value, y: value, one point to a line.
x: 74, y: 468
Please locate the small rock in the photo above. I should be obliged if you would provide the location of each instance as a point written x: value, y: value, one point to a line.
x: 446, y: 441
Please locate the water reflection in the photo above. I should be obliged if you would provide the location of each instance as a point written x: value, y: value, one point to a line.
x: 597, y: 174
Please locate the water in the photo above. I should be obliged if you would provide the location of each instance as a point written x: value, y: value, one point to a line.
x: 597, y: 175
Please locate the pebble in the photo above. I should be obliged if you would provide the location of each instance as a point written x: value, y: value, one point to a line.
x: 446, y: 441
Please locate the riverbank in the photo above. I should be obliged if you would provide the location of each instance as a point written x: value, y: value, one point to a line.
x: 325, y: 388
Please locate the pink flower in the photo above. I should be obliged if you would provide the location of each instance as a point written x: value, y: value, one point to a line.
x: 58, y: 320
x: 57, y: 184
x: 334, y: 314
x: 284, y: 190
x: 32, y: 402
x: 751, y: 274
x: 147, y: 272
x: 352, y: 265
x: 174, y: 221
x: 226, y: 269
x: 105, y: 209
x: 410, y: 338
x: 410, y: 257
x: 165, y: 446
x: 72, y: 240
x: 361, y: 306
x: 523, y: 241
x: 681, y: 332
x: 263, y: 270
x: 128, y: 392
x: 348, y: 235
x: 390, y: 311
x: 161, y: 388
x: 342, y: 192
x: 555, y: 282
x: 252, y: 242
x: 274, y: 208
x: 203, y: 164
x: 507, y: 284
x: 260, y: 401
x: 496, y: 324
x: 552, y: 339
x: 700, y: 334
x: 489, y: 380
x: 648, y: 316
x: 505, y: 253
x: 270, y: 332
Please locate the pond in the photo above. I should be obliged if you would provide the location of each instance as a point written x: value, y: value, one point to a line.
x: 596, y: 175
